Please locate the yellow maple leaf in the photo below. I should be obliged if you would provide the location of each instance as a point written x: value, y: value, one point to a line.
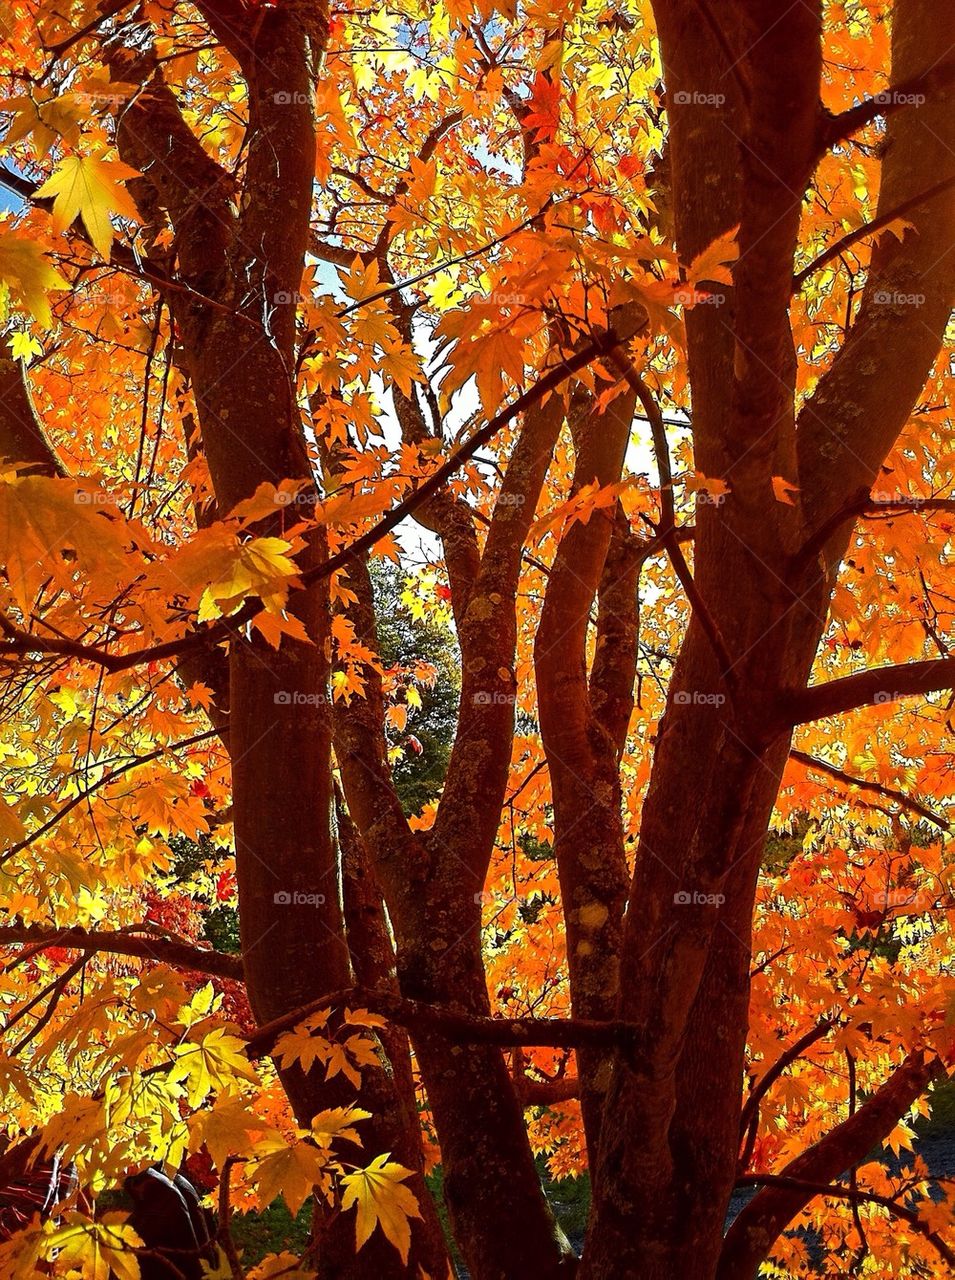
x: 380, y: 1199
x: 24, y: 345
x: 12, y: 830
x: 96, y: 1250
x: 29, y: 275
x: 226, y: 1129
x: 90, y: 187
x: 210, y: 1064
x: 338, y: 1122
x: 288, y: 1171
x: 259, y: 567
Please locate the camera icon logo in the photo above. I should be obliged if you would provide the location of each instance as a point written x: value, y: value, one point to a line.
x: 283, y: 698
x: 282, y: 899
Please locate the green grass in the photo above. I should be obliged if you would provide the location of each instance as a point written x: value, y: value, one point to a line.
x: 271, y: 1230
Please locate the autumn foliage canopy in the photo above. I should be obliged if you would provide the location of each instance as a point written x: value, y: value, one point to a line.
x: 607, y: 342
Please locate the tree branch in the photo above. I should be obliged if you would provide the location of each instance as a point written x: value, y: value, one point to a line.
x: 179, y: 955
x: 869, y: 229
x: 21, y: 644
x: 849, y: 424
x: 878, y: 685
x: 836, y: 129
x: 857, y: 1195
x: 667, y: 528
x: 749, y: 1116
x: 865, y: 784
x: 22, y: 438
x: 758, y: 1225
x: 864, y: 505
x: 102, y: 782
x: 417, y: 1015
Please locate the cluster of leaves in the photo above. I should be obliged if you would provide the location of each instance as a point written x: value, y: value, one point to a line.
x: 100, y: 770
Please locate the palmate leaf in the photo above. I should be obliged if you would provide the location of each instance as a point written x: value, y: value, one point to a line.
x: 289, y: 1171
x: 211, y: 1064
x: 89, y: 187
x: 380, y: 1199
x: 96, y: 1250
x: 29, y: 275
x: 40, y: 519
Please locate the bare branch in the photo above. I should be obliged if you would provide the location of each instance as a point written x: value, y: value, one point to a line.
x: 866, y: 784
x: 878, y: 685
x: 908, y: 93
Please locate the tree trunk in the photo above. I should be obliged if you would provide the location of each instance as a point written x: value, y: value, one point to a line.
x: 660, y: 1202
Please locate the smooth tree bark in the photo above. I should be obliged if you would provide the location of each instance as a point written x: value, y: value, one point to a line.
x: 582, y: 741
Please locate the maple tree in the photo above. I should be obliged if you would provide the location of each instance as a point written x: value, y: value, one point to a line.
x: 637, y: 314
